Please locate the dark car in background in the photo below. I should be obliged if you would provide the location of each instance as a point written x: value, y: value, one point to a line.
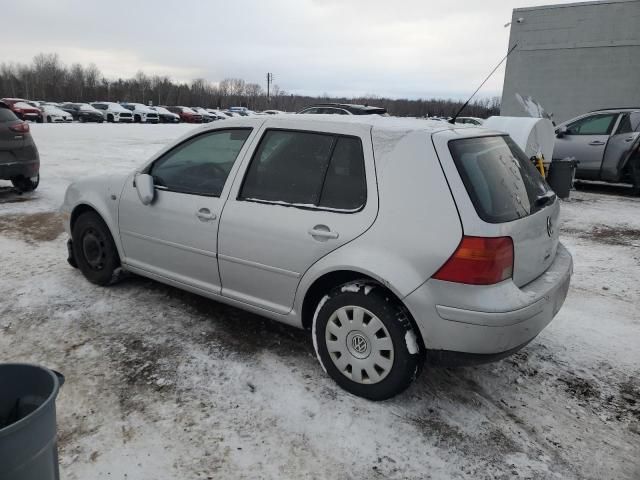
x: 343, y: 109
x: 19, y: 159
x: 606, y: 144
x: 23, y: 110
x: 83, y: 112
x: 165, y: 115
x: 186, y: 114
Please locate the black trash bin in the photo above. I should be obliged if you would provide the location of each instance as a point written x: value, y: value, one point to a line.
x: 28, y: 448
x: 561, y: 175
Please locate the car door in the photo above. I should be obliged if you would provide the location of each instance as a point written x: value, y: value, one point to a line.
x: 622, y: 143
x: 175, y: 236
x: 304, y: 194
x: 586, y: 139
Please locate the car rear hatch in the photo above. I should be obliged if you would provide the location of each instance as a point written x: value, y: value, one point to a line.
x: 499, y: 193
x: 9, y: 139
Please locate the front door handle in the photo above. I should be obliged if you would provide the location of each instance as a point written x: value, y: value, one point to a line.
x: 205, y: 215
x: 322, y: 233
x: 630, y: 139
x: 596, y: 143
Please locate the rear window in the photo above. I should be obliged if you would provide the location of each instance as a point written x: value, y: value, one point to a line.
x: 502, y: 182
x: 7, y: 115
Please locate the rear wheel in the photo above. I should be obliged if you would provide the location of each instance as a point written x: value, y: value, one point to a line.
x: 365, y: 341
x: 634, y: 168
x: 94, y: 249
x: 110, y: 118
x: 26, y: 184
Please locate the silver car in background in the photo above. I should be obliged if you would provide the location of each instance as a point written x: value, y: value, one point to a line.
x: 606, y: 144
x: 392, y: 240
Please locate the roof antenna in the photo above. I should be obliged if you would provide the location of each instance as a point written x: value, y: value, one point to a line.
x: 453, y: 119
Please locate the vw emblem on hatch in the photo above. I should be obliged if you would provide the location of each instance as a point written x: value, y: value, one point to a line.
x: 549, y: 227
x: 359, y: 343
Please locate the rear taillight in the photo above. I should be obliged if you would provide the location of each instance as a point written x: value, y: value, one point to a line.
x: 20, y: 127
x: 479, y: 261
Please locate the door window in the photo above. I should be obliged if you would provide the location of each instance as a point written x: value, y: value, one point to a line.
x: 200, y: 165
x: 307, y: 169
x: 629, y: 123
x: 593, y: 125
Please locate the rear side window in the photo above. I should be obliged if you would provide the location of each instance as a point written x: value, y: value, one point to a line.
x: 629, y: 123
x: 307, y: 169
x: 502, y: 182
x: 7, y: 115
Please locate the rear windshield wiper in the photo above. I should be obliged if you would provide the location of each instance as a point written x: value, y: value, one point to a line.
x: 545, y: 199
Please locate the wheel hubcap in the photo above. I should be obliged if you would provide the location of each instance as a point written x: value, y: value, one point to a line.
x: 359, y: 345
x: 93, y: 249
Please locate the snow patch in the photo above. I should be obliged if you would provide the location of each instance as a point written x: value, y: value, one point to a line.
x: 313, y: 330
x: 352, y: 287
x: 412, y: 342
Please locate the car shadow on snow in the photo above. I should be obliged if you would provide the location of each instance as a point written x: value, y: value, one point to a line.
x: 12, y: 195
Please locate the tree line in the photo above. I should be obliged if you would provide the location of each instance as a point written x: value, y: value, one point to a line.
x: 48, y: 78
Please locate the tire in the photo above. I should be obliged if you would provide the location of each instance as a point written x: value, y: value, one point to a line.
x: 26, y: 184
x: 94, y: 249
x: 82, y: 120
x: 110, y: 118
x: 137, y: 119
x: 348, y: 351
x: 48, y: 119
x: 634, y: 170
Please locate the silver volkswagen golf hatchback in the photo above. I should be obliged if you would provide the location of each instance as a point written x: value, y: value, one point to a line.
x: 393, y: 241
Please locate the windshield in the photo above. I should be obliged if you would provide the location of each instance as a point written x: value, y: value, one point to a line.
x: 21, y: 105
x: 188, y: 110
x: 86, y: 108
x: 161, y: 110
x: 502, y: 182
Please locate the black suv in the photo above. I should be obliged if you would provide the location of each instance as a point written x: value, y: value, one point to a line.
x: 343, y: 109
x: 19, y: 159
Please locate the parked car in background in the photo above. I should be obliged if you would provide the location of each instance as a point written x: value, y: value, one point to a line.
x: 142, y: 113
x: 273, y: 112
x: 166, y: 116
x: 53, y: 114
x: 219, y: 114
x: 186, y: 114
x: 469, y: 121
x: 206, y: 116
x: 283, y: 215
x: 19, y: 159
x: 113, y: 112
x: 606, y: 143
x: 83, y: 112
x: 343, y: 109
x: 23, y: 110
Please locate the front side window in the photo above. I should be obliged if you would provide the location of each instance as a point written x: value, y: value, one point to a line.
x: 593, y: 125
x: 200, y: 165
x: 307, y: 169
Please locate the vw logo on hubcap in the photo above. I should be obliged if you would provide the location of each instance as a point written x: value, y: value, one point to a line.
x: 359, y: 343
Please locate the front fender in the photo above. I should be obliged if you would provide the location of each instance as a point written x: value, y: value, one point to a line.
x: 101, y: 194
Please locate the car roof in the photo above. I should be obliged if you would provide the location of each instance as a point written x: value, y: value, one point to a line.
x: 378, y: 122
x: 347, y: 106
x: 616, y: 109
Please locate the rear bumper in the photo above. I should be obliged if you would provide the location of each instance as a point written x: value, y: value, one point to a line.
x: 493, y: 320
x: 20, y: 162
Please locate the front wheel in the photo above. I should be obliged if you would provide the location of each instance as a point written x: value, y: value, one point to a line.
x: 634, y: 168
x: 94, y: 249
x: 365, y: 341
x: 26, y: 184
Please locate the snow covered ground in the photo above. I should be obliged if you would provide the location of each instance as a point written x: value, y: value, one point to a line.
x: 162, y: 384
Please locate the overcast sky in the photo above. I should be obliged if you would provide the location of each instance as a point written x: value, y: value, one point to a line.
x: 394, y: 48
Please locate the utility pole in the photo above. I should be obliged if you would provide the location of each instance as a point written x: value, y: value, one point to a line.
x: 269, y: 82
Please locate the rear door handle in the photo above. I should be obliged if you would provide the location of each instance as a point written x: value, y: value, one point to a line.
x: 322, y: 233
x: 205, y: 215
x: 596, y: 143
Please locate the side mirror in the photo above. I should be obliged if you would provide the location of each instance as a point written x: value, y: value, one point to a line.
x: 144, y: 186
x: 561, y: 132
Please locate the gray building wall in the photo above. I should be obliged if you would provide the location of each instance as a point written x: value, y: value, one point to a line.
x: 574, y: 58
